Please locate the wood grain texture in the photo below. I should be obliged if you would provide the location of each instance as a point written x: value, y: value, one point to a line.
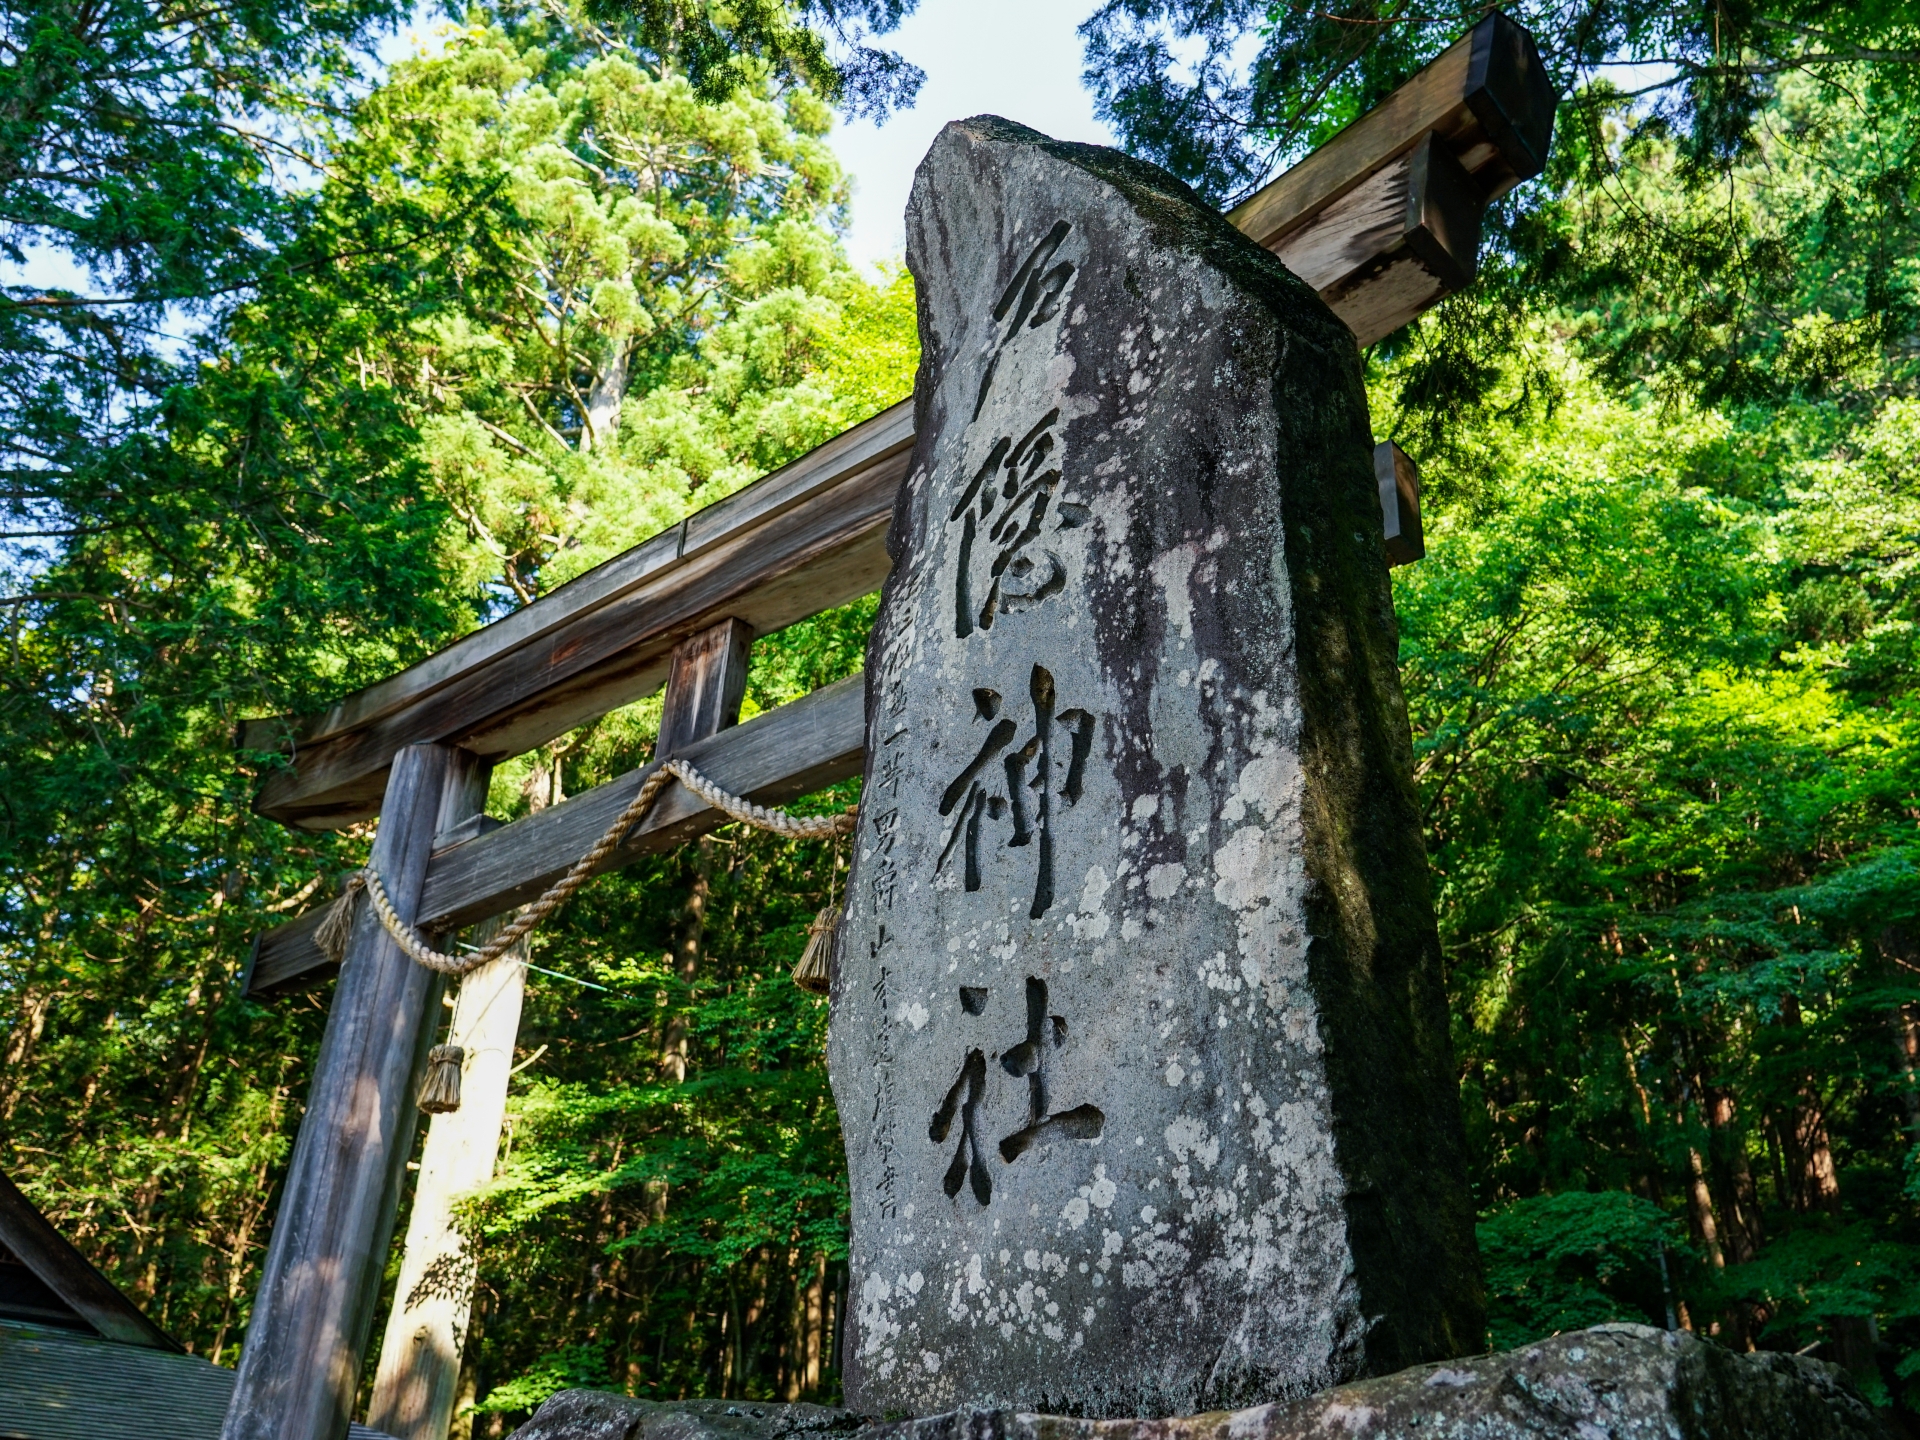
x: 286, y: 959
x: 1444, y: 209
x: 47, y: 1253
x: 1351, y: 232
x: 291, y: 734
x: 1387, y: 296
x: 826, y: 465
x: 417, y: 1380
x: 806, y: 538
x: 300, y: 1366
x: 1488, y: 98
x: 1399, y: 481
x: 773, y: 758
x: 416, y: 1384
x: 705, y: 684
x: 1387, y: 251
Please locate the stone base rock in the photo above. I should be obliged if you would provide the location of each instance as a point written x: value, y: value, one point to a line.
x: 596, y: 1415
x: 1613, y: 1382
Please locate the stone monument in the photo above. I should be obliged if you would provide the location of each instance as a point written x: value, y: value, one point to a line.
x: 1138, y: 1035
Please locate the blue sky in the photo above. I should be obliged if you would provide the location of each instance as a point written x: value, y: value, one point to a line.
x: 1015, y: 58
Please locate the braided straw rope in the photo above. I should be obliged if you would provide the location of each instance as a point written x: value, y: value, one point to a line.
x: 794, y: 827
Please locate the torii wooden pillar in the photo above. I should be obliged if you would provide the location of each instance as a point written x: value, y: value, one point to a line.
x: 416, y: 1385
x: 300, y: 1366
x: 1383, y: 221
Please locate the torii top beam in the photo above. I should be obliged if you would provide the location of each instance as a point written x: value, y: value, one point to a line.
x: 1383, y: 221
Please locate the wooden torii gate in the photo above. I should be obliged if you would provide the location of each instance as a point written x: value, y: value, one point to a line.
x: 1383, y: 221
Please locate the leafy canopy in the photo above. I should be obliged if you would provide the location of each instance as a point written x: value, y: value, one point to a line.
x: 1670, y: 119
x: 726, y: 46
x: 538, y: 302
x: 1222, y: 92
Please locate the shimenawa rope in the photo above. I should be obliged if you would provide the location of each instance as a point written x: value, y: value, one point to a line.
x: 333, y: 931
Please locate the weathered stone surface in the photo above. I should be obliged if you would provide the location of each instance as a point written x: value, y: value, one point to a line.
x: 596, y: 1415
x: 1614, y: 1382
x: 1138, y: 1039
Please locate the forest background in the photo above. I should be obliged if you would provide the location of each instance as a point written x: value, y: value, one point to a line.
x: 372, y: 357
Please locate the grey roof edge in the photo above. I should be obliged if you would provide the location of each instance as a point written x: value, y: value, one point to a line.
x: 62, y: 1384
x: 71, y: 1276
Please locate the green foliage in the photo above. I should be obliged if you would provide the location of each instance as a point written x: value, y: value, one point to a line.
x: 717, y: 1194
x: 390, y: 434
x: 1816, y: 1277
x: 1730, y: 226
x: 1180, y: 84
x: 571, y: 1367
x: 1564, y: 1262
x: 689, y: 1213
x: 1788, y: 274
x: 725, y: 48
x: 1658, y: 663
x: 644, y: 318
x: 138, y: 142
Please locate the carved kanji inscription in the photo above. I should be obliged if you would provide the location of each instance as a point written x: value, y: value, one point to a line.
x: 1135, y: 752
x: 1015, y: 787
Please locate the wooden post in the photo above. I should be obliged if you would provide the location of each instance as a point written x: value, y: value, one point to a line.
x: 704, y: 688
x: 705, y: 684
x: 300, y: 1367
x: 416, y: 1388
x: 1399, y: 481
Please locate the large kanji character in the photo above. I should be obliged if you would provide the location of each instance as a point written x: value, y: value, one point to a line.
x: 1030, y: 783
x: 1045, y: 1034
x: 964, y: 1099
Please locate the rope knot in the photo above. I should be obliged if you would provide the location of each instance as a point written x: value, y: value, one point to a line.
x: 333, y: 931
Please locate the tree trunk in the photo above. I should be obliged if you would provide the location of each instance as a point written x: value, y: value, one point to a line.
x: 21, y: 1040
x: 1746, y: 1230
x: 705, y: 682
x: 1906, y: 1051
x: 810, y: 1313
x: 603, y: 401
x: 465, y: 1396
x: 1814, y: 1185
x: 543, y: 785
x: 1706, y: 1230
x: 1700, y: 1210
x: 1816, y: 1190
x: 1652, y: 1180
x: 693, y: 929
x: 1902, y: 959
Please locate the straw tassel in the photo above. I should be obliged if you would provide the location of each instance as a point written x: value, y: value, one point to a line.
x: 440, y: 1091
x: 813, y: 972
x: 332, y: 934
